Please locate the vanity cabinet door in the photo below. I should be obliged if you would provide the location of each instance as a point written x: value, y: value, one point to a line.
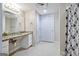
x: 5, y: 47
x: 24, y: 42
x: 27, y: 41
x: 5, y: 50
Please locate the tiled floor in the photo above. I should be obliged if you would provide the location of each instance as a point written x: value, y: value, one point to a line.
x: 41, y: 49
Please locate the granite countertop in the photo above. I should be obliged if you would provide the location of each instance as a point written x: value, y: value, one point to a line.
x: 16, y: 35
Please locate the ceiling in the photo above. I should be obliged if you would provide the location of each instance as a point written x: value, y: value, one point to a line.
x: 49, y: 7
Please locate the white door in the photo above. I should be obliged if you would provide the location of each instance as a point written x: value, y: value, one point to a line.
x: 47, y: 28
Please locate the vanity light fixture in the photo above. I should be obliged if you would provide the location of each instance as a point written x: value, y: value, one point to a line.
x: 12, y: 6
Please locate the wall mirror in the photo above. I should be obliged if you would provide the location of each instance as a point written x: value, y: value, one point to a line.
x: 10, y: 22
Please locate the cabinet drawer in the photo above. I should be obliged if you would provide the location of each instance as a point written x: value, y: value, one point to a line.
x: 5, y: 43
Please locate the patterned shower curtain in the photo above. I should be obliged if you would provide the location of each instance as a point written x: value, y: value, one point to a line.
x: 72, y: 30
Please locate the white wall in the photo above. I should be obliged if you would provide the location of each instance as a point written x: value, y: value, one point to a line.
x: 62, y: 27
x: 38, y: 27
x: 57, y: 27
x: 57, y: 30
x: 20, y: 21
x: 47, y: 27
x: 0, y: 27
x: 30, y: 23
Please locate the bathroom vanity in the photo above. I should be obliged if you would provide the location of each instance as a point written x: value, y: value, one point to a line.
x: 15, y: 37
x: 14, y: 42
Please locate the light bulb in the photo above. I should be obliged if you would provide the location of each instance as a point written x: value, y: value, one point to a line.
x: 45, y: 11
